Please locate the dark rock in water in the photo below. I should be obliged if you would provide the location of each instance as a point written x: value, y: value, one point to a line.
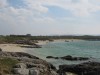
x: 49, y: 57
x: 52, y: 57
x: 88, y: 68
x: 69, y: 57
x: 74, y: 58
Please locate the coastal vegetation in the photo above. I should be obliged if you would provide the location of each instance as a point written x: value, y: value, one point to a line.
x: 6, y: 65
x: 27, y: 37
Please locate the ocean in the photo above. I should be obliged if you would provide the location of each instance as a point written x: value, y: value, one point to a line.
x: 79, y: 48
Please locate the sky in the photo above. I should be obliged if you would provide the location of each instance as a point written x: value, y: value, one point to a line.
x: 50, y: 17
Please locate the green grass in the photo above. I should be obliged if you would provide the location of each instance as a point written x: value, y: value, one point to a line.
x: 6, y: 65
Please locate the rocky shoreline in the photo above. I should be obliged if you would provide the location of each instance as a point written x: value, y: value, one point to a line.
x: 32, y: 65
x: 87, y: 68
x: 29, y: 64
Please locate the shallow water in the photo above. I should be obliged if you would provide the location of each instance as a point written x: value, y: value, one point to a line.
x: 74, y: 48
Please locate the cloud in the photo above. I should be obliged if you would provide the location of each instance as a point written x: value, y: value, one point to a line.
x: 78, y: 7
x: 35, y: 9
x: 3, y: 3
x: 36, y: 5
x: 81, y: 8
x: 34, y: 14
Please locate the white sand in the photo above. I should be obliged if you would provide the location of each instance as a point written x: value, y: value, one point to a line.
x: 17, y: 48
x: 12, y: 48
x: 42, y: 42
x: 56, y: 40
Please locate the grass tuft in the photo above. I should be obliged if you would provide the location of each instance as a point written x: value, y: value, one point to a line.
x: 6, y: 65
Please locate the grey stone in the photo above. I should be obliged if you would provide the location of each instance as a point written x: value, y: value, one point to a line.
x: 21, y: 71
x: 33, y: 72
x: 20, y: 65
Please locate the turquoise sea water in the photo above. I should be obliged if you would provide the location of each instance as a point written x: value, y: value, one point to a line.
x: 74, y: 48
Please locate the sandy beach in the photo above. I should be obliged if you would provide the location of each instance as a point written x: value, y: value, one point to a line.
x: 12, y: 48
x: 17, y: 48
x: 42, y: 42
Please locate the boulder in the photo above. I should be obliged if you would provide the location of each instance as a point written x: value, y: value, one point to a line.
x: 20, y: 65
x: 33, y: 72
x: 20, y: 71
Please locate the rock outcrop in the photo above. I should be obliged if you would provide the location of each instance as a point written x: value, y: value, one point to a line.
x: 88, y: 68
x: 28, y: 44
x: 29, y: 64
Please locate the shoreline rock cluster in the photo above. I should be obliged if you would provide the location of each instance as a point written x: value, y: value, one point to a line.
x: 69, y: 57
x: 87, y: 68
x: 29, y: 64
x: 27, y: 44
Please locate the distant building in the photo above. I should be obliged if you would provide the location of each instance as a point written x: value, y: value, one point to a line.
x: 28, y: 34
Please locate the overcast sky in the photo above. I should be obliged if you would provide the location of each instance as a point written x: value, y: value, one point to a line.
x: 49, y: 17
